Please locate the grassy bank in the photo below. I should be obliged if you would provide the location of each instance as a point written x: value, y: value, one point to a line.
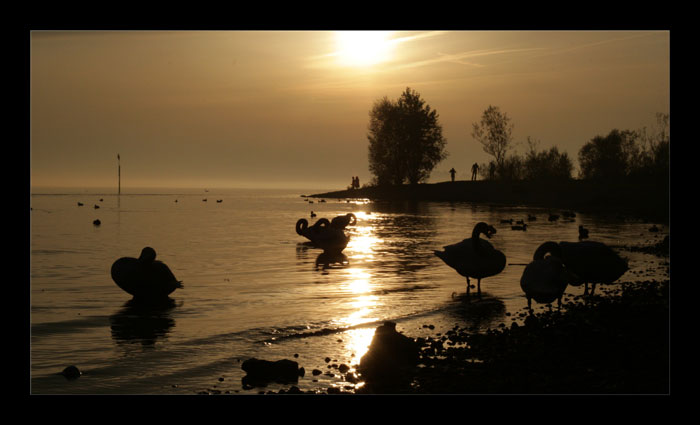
x: 649, y: 201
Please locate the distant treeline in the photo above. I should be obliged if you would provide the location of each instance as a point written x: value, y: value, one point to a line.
x: 622, y: 155
x: 406, y: 143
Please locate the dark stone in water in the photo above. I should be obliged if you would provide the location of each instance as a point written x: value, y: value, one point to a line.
x: 390, y: 354
x: 261, y: 372
x: 71, y: 372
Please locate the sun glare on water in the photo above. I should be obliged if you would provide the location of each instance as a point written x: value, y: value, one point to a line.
x: 363, y: 48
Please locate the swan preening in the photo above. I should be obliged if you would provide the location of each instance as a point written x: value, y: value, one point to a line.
x: 144, y: 277
x: 590, y: 262
x: 545, y: 279
x: 325, y: 234
x: 474, y: 258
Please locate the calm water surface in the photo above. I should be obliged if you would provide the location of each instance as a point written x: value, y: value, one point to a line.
x: 254, y: 288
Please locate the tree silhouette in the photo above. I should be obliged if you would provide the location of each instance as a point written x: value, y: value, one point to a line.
x: 494, y: 132
x: 405, y: 140
x: 607, y: 158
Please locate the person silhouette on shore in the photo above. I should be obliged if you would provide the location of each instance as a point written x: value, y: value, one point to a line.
x: 452, y: 173
x: 475, y: 169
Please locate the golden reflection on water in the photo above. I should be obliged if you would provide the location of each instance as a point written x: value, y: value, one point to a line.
x: 359, y: 283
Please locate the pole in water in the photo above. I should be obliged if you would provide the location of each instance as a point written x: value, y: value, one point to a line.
x: 119, y: 171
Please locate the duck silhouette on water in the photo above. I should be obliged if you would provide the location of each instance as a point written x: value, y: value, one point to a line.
x: 474, y: 257
x: 145, y: 278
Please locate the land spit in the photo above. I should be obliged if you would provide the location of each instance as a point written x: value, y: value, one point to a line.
x: 648, y: 200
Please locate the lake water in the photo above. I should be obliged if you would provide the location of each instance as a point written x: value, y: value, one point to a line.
x: 253, y: 288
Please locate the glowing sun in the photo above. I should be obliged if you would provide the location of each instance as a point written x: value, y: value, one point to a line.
x: 363, y: 48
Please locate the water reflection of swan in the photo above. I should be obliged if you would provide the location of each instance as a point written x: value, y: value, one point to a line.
x: 144, y: 322
x: 474, y: 257
x: 323, y: 235
x: 329, y: 260
x: 545, y: 279
x: 592, y: 262
x: 144, y: 277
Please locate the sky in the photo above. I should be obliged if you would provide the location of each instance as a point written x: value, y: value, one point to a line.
x: 290, y: 109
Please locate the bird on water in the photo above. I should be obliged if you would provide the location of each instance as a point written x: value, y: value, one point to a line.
x: 145, y: 278
x: 474, y: 257
x: 591, y: 262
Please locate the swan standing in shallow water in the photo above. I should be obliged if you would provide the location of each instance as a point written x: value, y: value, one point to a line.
x: 474, y: 257
x: 144, y: 277
x: 592, y: 262
x: 545, y: 279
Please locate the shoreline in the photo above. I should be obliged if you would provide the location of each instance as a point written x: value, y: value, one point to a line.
x: 616, y: 342
x: 649, y: 201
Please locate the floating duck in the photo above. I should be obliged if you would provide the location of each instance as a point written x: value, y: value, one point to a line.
x: 509, y: 221
x: 592, y: 262
x: 531, y: 218
x: 80, y: 204
x: 97, y: 222
x: 474, y: 257
x: 97, y: 206
x: 219, y: 201
x: 553, y: 217
x: 313, y: 214
x: 520, y: 222
x: 329, y: 238
x: 523, y: 227
x: 145, y: 278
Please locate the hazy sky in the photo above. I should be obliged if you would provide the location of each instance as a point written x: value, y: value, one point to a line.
x: 290, y: 109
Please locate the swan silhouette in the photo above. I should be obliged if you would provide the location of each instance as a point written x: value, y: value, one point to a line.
x: 342, y: 221
x: 323, y: 235
x: 144, y: 277
x: 545, y: 279
x: 474, y: 257
x: 591, y: 262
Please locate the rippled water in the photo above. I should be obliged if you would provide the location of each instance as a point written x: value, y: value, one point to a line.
x: 254, y: 288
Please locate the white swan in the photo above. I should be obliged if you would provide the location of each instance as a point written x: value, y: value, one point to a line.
x: 474, y: 257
